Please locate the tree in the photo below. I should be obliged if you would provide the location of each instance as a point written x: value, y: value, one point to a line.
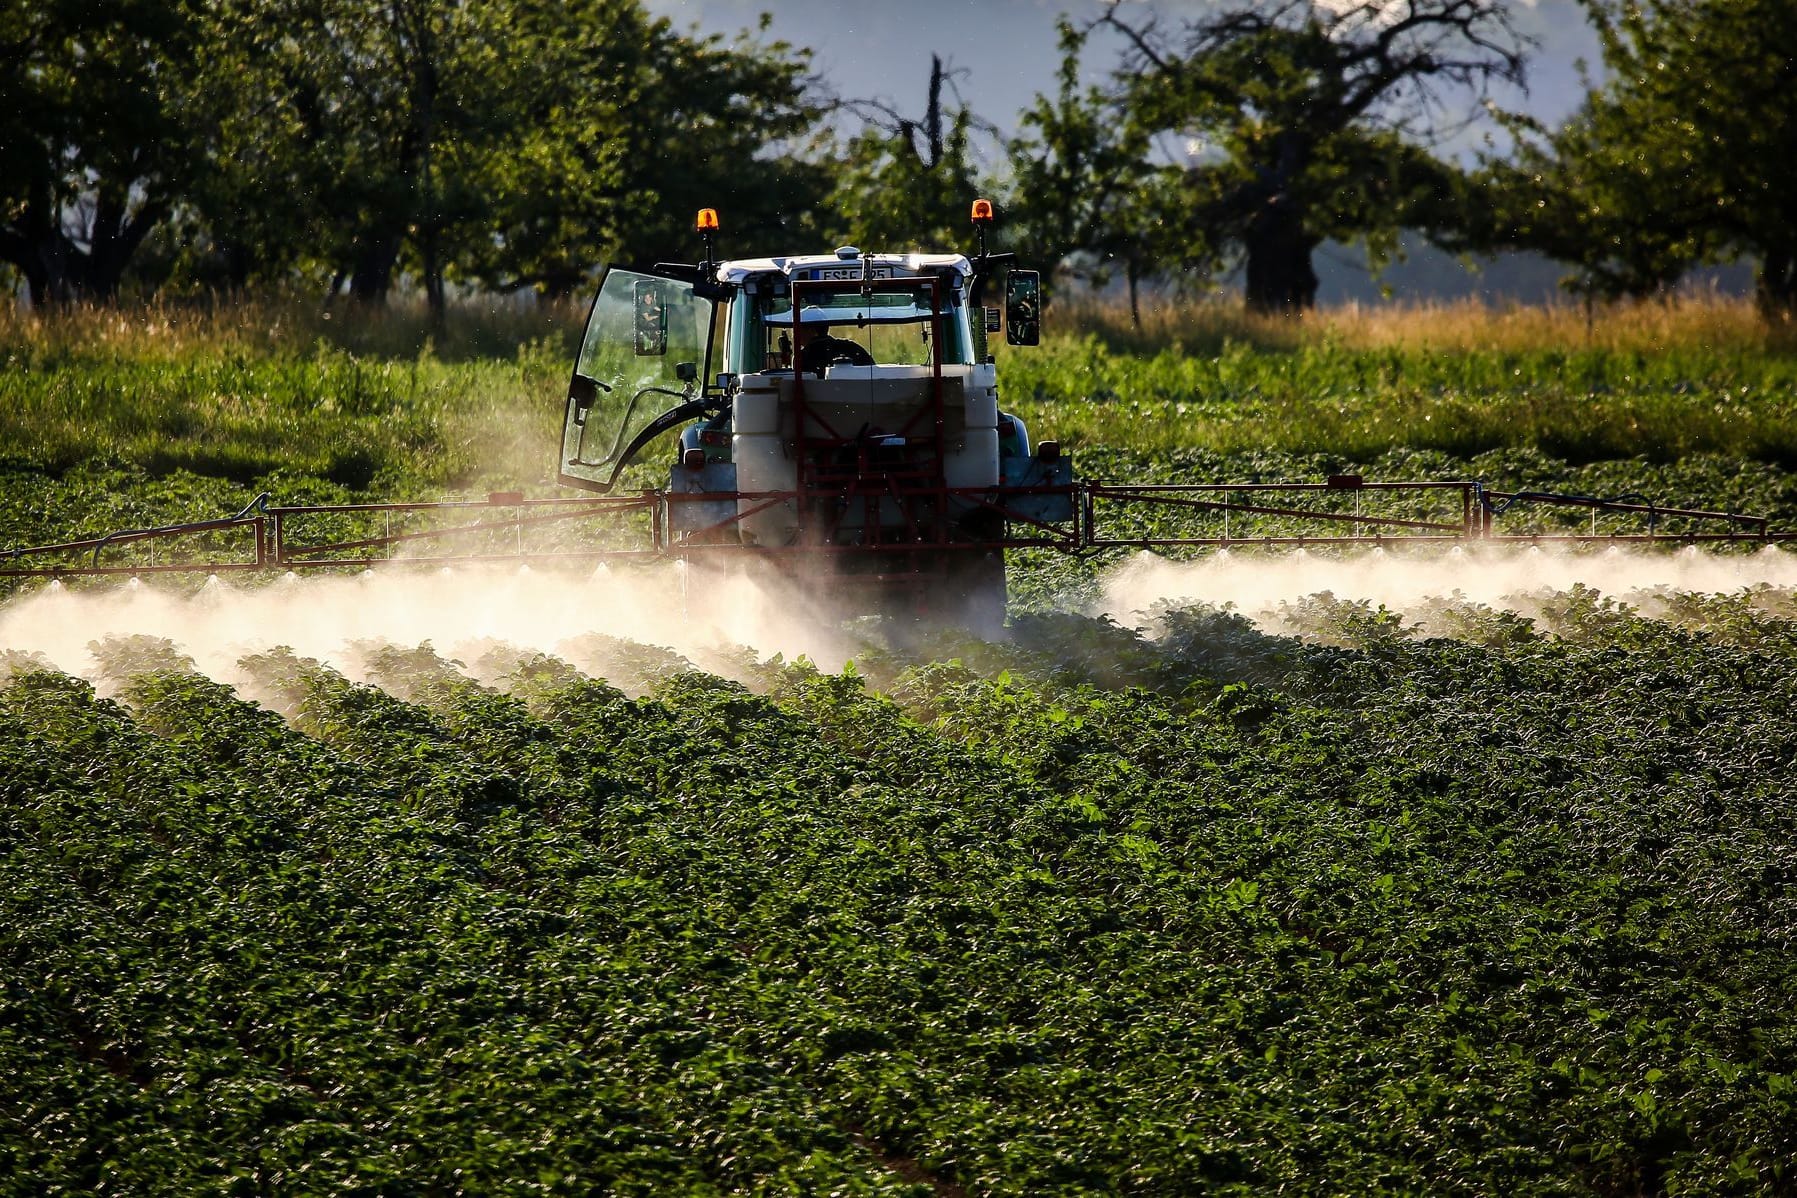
x: 1085, y: 196
x: 93, y: 144
x: 351, y: 133
x: 1571, y: 195
x: 723, y: 124
x: 908, y: 184
x: 511, y: 143
x: 1688, y: 154
x: 1309, y: 119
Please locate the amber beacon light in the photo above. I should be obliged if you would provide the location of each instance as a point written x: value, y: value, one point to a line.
x: 708, y: 220
x: 982, y: 212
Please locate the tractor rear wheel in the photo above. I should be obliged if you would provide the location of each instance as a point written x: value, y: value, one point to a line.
x: 974, y: 597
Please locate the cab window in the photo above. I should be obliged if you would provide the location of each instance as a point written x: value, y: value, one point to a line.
x: 885, y: 328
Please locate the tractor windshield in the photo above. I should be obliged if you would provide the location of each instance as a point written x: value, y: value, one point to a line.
x: 645, y: 332
x: 886, y: 327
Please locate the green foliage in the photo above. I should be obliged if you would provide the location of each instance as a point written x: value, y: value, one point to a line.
x: 277, y: 421
x: 1083, y: 195
x: 1094, y: 912
x: 515, y: 144
x: 1319, y: 398
x: 95, y: 145
x: 1683, y: 156
x: 903, y: 185
x: 888, y: 199
x: 1301, y: 123
x: 375, y: 127
x: 723, y: 123
x: 507, y: 145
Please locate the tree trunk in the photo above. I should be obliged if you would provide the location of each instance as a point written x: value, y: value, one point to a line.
x: 372, y: 274
x: 425, y: 126
x: 53, y: 255
x: 1133, y: 271
x: 1775, y: 290
x: 56, y: 269
x: 237, y: 266
x: 36, y: 245
x: 930, y: 154
x: 18, y: 250
x: 112, y: 239
x: 1281, y: 280
x: 433, y: 275
x: 932, y: 120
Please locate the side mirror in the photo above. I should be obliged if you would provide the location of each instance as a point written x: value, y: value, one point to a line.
x: 651, y: 319
x: 1023, y: 308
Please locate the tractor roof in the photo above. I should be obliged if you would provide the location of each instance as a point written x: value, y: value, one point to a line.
x: 742, y: 268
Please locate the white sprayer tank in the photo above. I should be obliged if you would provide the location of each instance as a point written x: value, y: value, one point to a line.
x: 845, y: 402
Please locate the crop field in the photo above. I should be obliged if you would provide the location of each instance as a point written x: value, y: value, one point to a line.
x: 1465, y: 874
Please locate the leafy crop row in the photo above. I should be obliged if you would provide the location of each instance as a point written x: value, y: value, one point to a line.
x: 1089, y: 912
x: 1580, y: 406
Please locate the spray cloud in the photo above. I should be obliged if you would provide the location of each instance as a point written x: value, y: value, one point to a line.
x: 465, y: 612
x: 461, y: 612
x: 1498, y: 576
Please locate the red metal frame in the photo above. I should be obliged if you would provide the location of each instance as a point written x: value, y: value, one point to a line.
x: 919, y: 552
x: 271, y: 547
x: 918, y: 487
x: 1479, y: 509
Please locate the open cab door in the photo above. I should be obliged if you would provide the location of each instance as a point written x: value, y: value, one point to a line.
x: 647, y: 341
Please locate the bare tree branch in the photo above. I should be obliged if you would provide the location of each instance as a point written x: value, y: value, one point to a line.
x: 1309, y: 101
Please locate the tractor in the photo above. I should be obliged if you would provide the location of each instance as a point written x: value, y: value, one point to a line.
x: 838, y: 414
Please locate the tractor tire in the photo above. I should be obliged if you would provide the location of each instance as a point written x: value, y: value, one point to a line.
x: 974, y: 596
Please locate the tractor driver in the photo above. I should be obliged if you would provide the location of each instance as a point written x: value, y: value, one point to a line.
x: 821, y: 349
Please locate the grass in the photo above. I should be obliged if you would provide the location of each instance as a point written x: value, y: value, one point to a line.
x: 271, y: 394
x: 1583, y: 406
x: 1660, y: 381
x: 1205, y: 326
x: 373, y: 402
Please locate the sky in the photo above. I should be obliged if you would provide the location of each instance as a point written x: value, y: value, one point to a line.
x: 1008, y: 53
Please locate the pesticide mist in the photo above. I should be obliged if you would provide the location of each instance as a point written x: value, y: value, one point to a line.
x: 463, y: 613
x: 467, y: 614
x: 1502, y: 577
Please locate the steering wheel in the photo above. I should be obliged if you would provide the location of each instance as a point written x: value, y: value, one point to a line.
x: 825, y: 350
x: 850, y: 353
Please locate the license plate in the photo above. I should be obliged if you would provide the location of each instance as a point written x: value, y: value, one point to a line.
x: 837, y: 274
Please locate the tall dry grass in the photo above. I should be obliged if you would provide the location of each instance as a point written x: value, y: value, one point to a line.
x: 275, y: 326
x: 1683, y: 322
